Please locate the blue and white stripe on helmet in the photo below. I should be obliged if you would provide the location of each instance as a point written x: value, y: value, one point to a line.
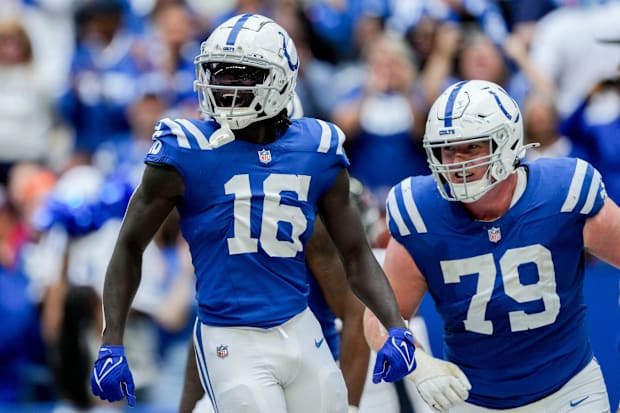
x: 447, y: 121
x: 232, y: 36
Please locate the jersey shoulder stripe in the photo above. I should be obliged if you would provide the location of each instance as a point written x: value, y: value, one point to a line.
x: 329, y: 136
x: 332, y: 138
x: 403, y: 211
x: 170, y: 131
x: 586, y: 183
x: 188, y: 133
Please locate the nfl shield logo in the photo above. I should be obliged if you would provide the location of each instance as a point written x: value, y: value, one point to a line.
x: 264, y: 155
x: 222, y: 351
x: 495, y: 234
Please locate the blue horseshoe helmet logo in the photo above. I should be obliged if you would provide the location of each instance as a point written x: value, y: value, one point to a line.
x: 291, y: 65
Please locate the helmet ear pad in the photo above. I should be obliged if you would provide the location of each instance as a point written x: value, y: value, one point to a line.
x: 474, y: 110
x: 256, y: 43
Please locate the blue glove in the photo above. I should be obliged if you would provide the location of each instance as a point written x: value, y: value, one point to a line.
x: 395, y: 359
x: 111, y: 379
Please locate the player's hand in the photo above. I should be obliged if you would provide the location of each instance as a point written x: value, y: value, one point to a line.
x: 395, y: 359
x: 441, y: 384
x: 111, y: 378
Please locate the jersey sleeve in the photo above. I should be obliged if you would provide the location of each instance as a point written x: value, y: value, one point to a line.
x: 330, y: 141
x: 403, y: 216
x: 175, y: 142
x: 585, y: 193
x: 165, y: 147
x: 326, y: 141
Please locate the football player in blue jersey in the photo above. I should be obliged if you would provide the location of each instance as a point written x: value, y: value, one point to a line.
x: 329, y: 296
x: 247, y: 183
x: 503, y: 259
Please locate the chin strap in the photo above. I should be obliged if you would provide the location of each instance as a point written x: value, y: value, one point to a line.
x: 222, y: 136
x: 526, y: 147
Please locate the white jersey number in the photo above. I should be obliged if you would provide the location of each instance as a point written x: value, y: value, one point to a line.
x: 273, y: 213
x: 484, y: 266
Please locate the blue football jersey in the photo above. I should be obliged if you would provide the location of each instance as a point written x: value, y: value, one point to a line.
x: 509, y: 291
x: 247, y: 213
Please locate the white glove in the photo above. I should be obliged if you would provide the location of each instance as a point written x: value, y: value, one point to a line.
x: 441, y: 384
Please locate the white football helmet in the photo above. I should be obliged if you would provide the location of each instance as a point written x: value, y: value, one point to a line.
x: 474, y: 111
x: 246, y: 71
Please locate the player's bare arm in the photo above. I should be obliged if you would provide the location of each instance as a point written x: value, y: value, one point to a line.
x: 601, y: 234
x: 441, y: 384
x: 192, y: 388
x: 409, y: 287
x: 363, y: 271
x: 324, y: 262
x: 161, y: 188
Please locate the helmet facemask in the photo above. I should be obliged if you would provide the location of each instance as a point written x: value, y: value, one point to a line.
x: 456, y: 177
x: 246, y: 71
x: 472, y: 113
x: 235, y: 93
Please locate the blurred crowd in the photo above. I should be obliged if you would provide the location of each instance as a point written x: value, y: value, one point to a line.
x: 82, y: 83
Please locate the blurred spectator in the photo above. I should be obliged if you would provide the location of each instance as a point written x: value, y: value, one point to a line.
x: 438, y: 44
x: 12, y: 234
x: 123, y: 156
x: 49, y: 24
x: 175, y: 312
x: 468, y: 55
x: 594, y: 128
x: 80, y: 325
x: 335, y: 26
x: 524, y: 15
x: 349, y: 74
x: 383, y: 119
x: 28, y: 186
x: 516, y: 48
x: 104, y: 78
x: 264, y: 7
x: 80, y: 222
x: 314, y: 88
x: 170, y: 47
x: 21, y: 345
x: 26, y: 102
x: 485, y: 14
x: 481, y: 59
x: 542, y: 126
x: 423, y: 38
x: 566, y: 50
x: 22, y: 354
x: 209, y: 9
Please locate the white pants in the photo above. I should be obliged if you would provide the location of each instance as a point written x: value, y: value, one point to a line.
x: 285, y: 369
x: 584, y: 393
